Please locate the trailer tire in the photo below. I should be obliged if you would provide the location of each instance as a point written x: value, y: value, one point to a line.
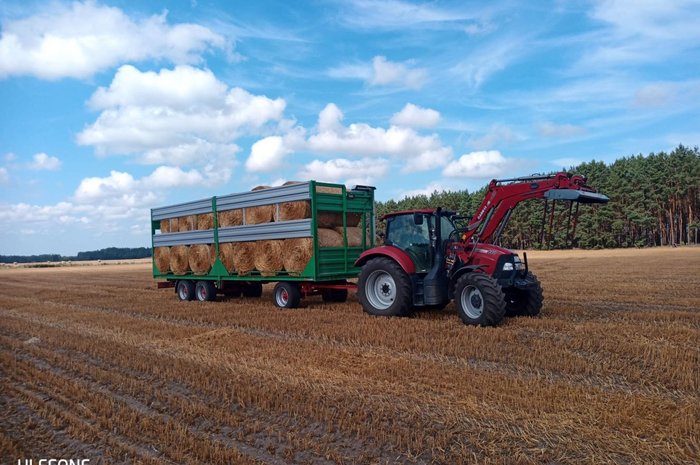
x: 205, y: 291
x: 384, y: 288
x: 286, y: 295
x: 334, y: 295
x: 252, y: 290
x: 184, y: 290
x: 480, y: 300
x: 525, y: 302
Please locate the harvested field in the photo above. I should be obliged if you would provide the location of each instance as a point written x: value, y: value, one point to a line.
x: 95, y: 362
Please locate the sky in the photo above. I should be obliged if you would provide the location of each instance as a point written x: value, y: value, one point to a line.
x: 111, y: 108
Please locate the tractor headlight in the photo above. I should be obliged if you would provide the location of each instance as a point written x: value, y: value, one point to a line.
x: 508, y: 266
x: 518, y: 264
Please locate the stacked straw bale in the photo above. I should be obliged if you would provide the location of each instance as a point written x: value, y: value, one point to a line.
x: 187, y: 223
x: 179, y: 259
x: 205, y: 221
x: 201, y: 257
x: 354, y: 236
x: 243, y: 257
x: 165, y: 226
x: 261, y: 214
x: 226, y: 256
x: 296, y: 254
x: 268, y: 257
x: 229, y: 218
x: 161, y: 256
x: 332, y: 220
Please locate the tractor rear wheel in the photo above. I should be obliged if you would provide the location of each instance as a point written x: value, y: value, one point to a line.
x: 384, y: 288
x: 479, y: 299
x: 525, y: 302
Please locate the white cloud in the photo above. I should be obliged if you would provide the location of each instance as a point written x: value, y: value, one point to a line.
x: 413, y: 116
x: 426, y: 191
x: 488, y: 59
x: 267, y: 154
x: 549, y: 129
x: 479, y: 165
x: 9, y: 156
x: 42, y: 161
x: 382, y: 72
x: 85, y: 38
x: 416, y: 151
x: 351, y: 172
x: 498, y: 135
x: 4, y: 176
x: 183, y: 117
x: 390, y: 14
x: 653, y: 95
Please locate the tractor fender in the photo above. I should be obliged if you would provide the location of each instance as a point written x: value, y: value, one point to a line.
x: 396, y: 254
x: 456, y: 274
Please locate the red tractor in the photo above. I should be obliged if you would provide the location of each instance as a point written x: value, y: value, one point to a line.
x: 427, y: 260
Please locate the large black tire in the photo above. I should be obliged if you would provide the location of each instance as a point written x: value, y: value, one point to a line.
x: 525, y: 302
x: 286, y: 295
x: 479, y: 299
x: 184, y: 290
x: 205, y: 291
x: 384, y: 288
x: 252, y: 289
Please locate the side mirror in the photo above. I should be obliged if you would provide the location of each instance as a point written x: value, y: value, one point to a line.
x: 418, y: 219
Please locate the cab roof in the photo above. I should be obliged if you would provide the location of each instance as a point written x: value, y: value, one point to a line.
x: 428, y: 211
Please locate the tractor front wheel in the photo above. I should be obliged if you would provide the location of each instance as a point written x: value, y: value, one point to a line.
x: 480, y: 300
x: 384, y: 288
x: 525, y: 302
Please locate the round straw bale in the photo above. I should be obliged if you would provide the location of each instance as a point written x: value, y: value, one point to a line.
x: 212, y: 254
x: 165, y: 226
x: 174, y: 224
x: 353, y: 219
x: 243, y: 257
x: 230, y: 218
x: 162, y: 259
x: 329, y: 238
x: 268, y: 257
x: 354, y: 236
x: 330, y: 220
x: 205, y: 221
x: 296, y: 254
x: 261, y: 214
x: 297, y: 210
x: 291, y: 183
x: 179, y: 259
x: 226, y: 255
x: 187, y: 223
x: 199, y: 257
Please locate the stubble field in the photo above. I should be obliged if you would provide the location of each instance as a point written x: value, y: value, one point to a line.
x: 96, y: 363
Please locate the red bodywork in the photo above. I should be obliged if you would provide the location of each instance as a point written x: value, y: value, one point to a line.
x: 392, y: 252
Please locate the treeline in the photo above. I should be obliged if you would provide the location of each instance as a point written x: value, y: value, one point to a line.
x: 654, y: 200
x: 110, y: 253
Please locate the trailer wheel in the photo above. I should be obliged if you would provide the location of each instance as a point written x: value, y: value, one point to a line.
x: 252, y: 290
x: 525, y: 302
x: 287, y: 295
x: 384, y: 288
x: 480, y: 300
x: 334, y: 295
x: 205, y: 291
x: 185, y: 290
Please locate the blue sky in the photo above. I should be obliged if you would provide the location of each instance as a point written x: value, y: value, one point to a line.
x: 112, y: 108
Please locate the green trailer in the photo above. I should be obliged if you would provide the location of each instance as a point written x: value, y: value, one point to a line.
x: 326, y: 273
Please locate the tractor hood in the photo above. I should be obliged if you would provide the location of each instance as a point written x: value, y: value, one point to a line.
x: 576, y: 196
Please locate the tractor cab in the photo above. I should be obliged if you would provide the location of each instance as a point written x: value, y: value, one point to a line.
x: 422, y: 234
